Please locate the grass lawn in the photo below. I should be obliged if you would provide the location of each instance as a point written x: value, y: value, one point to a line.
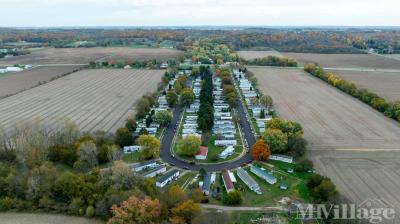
x: 132, y: 158
x: 271, y: 194
x: 185, y: 179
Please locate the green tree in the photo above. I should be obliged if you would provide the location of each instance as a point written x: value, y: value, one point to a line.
x: 297, y: 145
x: 276, y: 140
x: 150, y: 146
x: 187, y: 96
x: 163, y: 117
x: 123, y: 137
x: 131, y: 124
x: 67, y: 187
x: 172, y: 98
x: 188, y: 146
x: 232, y: 198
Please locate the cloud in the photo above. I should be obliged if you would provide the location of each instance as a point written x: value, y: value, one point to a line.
x: 200, y: 12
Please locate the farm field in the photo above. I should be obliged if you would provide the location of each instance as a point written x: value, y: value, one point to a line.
x: 346, y: 60
x: 385, y: 84
x: 395, y: 56
x: 12, y: 83
x: 249, y: 55
x: 357, y: 147
x: 93, y: 99
x: 331, y: 119
x: 26, y: 218
x: 85, y: 55
x: 362, y: 176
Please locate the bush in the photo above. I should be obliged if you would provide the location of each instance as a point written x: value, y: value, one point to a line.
x: 232, y: 198
x: 90, y: 211
x: 304, y: 165
x: 123, y: 137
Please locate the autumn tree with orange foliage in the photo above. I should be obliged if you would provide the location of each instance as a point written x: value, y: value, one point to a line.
x: 136, y: 210
x: 260, y: 150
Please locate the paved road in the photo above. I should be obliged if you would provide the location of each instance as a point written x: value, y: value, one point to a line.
x: 169, y: 133
x: 227, y: 208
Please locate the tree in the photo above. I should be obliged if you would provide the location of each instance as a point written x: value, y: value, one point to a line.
x: 122, y: 176
x: 174, y: 196
x: 40, y: 181
x: 172, y: 98
x: 131, y: 124
x: 189, y: 145
x: 67, y: 187
x: 87, y: 156
x: 135, y: 210
x: 123, y: 137
x: 232, y: 198
x: 187, y: 96
x: 304, y: 165
x: 198, y: 195
x: 321, y: 188
x: 260, y: 150
x: 143, y: 106
x: 276, y: 140
x: 290, y: 128
x: 232, y: 99
x: 187, y: 210
x: 266, y: 101
x: 163, y: 117
x: 150, y: 146
x: 297, y: 145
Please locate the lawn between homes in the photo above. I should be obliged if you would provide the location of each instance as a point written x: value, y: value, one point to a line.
x: 271, y: 194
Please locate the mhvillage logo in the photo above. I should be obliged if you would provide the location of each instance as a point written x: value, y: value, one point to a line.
x: 371, y: 210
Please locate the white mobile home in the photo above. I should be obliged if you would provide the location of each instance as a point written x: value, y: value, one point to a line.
x: 225, y: 142
x: 131, y: 149
x: 169, y: 177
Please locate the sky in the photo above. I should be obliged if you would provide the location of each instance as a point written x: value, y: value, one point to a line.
x: 50, y: 13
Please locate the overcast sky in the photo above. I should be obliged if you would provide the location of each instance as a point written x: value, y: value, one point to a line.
x: 39, y: 13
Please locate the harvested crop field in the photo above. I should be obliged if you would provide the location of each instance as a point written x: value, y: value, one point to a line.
x: 12, y: 83
x: 355, y: 146
x: 362, y: 176
x: 249, y: 55
x: 346, y: 60
x: 93, y: 99
x: 26, y: 218
x: 85, y: 55
x: 385, y: 84
x: 331, y: 119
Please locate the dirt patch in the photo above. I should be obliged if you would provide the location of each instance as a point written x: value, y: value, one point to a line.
x: 85, y: 55
x: 94, y: 99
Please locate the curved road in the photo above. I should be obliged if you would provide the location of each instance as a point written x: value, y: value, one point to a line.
x: 166, y: 144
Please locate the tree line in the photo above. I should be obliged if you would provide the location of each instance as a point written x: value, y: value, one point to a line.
x: 270, y: 61
x: 205, y: 119
x: 390, y: 109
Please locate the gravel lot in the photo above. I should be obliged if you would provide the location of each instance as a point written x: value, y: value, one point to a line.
x: 94, y: 99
